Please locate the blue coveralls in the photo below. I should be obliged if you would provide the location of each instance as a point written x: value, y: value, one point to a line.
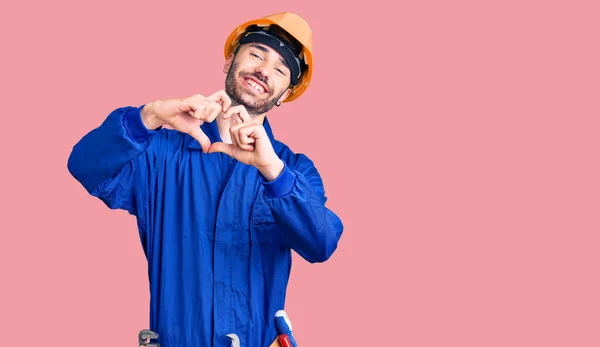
x: 217, y: 236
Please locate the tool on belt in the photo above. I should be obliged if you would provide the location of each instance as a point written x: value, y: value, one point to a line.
x: 146, y: 335
x: 235, y: 340
x: 284, y: 330
x: 283, y: 339
x: 282, y: 323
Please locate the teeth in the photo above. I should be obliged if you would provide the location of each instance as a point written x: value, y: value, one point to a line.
x: 255, y: 85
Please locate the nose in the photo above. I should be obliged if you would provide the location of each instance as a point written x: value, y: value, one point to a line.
x: 262, y: 72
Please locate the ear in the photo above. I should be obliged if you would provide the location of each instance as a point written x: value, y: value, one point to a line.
x: 285, y: 94
x: 228, y: 63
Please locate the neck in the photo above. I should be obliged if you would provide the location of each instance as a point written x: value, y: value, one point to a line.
x: 225, y: 124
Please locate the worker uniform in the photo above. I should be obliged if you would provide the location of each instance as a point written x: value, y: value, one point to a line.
x: 217, y: 236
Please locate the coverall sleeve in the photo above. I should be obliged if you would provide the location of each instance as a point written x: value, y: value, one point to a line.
x: 113, y: 162
x: 297, y: 201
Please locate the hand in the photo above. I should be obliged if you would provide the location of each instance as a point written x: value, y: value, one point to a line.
x: 187, y: 115
x: 250, y: 144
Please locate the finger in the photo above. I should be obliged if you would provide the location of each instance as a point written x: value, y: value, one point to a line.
x: 231, y: 111
x: 204, y: 110
x: 222, y: 98
x: 209, y: 107
x: 238, y: 138
x: 187, y: 104
x: 197, y: 110
x: 245, y: 140
x: 244, y: 116
x: 195, y: 102
x: 234, y: 137
x: 199, y: 114
x: 239, y: 110
x: 215, y: 111
x: 201, y: 137
x: 245, y: 147
x: 251, y: 123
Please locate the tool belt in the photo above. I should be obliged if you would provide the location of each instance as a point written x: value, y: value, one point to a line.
x: 146, y: 336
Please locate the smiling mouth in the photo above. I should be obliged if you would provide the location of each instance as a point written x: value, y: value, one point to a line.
x: 254, y: 84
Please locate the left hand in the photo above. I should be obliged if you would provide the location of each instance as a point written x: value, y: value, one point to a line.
x: 250, y: 145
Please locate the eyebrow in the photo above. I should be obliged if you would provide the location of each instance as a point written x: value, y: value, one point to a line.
x: 266, y: 50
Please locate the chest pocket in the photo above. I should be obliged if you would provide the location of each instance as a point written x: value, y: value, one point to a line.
x: 265, y: 231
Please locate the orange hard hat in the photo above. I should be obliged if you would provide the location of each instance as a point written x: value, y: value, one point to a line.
x: 294, y: 26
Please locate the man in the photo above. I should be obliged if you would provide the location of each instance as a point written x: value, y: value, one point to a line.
x: 219, y: 202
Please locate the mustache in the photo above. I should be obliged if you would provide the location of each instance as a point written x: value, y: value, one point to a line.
x: 259, y: 77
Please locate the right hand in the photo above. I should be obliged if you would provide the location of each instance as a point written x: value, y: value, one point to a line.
x: 187, y: 115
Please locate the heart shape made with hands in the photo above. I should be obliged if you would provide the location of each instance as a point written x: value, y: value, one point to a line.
x: 250, y: 143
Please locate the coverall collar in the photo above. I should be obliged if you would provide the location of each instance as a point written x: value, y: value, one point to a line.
x: 212, y: 131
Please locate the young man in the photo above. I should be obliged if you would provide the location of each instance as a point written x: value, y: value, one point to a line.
x: 219, y: 202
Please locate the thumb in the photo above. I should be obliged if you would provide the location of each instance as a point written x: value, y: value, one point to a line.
x: 201, y: 137
x: 222, y: 147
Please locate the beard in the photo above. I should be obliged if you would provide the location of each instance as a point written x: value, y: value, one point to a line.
x: 239, y: 96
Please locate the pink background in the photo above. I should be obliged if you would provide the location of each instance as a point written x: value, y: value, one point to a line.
x: 458, y: 141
